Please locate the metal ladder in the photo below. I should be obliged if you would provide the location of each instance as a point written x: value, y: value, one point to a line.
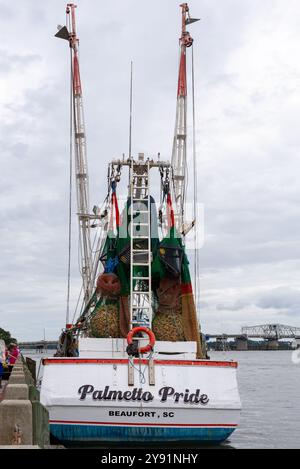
x: 140, y: 244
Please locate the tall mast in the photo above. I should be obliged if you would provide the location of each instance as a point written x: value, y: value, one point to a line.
x: 81, y: 169
x: 180, y: 134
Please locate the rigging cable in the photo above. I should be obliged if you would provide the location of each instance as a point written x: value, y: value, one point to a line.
x: 70, y: 194
x: 196, y: 254
x: 99, y: 239
x: 77, y: 304
x: 130, y: 113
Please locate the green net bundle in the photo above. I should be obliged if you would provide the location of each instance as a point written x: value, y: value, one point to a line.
x: 168, y: 320
x: 168, y: 326
x: 105, y: 320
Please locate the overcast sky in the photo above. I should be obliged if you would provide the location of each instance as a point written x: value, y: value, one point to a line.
x: 248, y: 111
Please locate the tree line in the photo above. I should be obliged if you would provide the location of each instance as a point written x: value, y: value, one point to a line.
x: 6, y: 336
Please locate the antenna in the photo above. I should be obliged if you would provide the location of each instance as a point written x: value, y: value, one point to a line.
x: 130, y: 112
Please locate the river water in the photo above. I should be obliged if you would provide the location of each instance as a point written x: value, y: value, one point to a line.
x: 269, y: 384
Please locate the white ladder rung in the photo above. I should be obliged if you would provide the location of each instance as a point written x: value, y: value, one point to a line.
x: 140, y: 257
x: 139, y: 322
x: 140, y: 293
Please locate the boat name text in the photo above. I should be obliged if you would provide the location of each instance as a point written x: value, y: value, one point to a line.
x: 138, y: 394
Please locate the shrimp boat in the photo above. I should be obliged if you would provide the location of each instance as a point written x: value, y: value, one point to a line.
x: 133, y: 366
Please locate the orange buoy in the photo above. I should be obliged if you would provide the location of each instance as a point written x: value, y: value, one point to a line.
x: 108, y: 285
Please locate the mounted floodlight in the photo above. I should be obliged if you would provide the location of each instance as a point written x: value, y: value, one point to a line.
x: 62, y: 33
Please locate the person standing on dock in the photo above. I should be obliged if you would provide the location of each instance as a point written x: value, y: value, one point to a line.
x: 2, y: 360
x: 1, y: 370
x: 13, y: 353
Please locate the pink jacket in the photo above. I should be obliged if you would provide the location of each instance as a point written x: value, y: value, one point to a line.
x: 13, y: 355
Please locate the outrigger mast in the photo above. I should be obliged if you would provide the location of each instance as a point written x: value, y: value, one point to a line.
x: 82, y: 180
x: 180, y: 135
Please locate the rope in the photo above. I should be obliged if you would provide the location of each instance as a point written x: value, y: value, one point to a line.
x: 77, y: 304
x: 96, y: 259
x: 170, y: 212
x: 114, y: 209
x: 130, y: 113
x: 186, y: 175
x: 70, y: 196
x: 139, y: 368
x: 98, y: 236
x: 196, y: 254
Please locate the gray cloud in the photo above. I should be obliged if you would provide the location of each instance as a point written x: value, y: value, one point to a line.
x: 6, y: 12
x: 10, y: 62
x: 281, y: 298
x: 247, y: 109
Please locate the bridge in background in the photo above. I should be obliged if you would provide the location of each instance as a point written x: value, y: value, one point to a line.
x: 270, y: 333
x: 39, y: 346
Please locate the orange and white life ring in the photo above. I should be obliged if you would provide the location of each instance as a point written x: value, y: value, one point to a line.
x: 147, y: 348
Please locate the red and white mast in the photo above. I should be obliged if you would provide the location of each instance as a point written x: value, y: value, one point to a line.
x: 180, y: 134
x: 81, y: 169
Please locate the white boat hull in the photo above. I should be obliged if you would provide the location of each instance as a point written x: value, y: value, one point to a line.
x: 90, y: 400
x: 103, y: 425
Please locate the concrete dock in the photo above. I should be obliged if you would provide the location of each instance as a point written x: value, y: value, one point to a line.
x: 24, y: 421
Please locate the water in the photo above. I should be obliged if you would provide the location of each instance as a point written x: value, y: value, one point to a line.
x: 269, y: 385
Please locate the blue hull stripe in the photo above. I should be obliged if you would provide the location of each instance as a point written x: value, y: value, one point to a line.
x: 141, y: 434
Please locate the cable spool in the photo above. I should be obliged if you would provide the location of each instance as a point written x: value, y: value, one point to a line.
x: 147, y: 348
